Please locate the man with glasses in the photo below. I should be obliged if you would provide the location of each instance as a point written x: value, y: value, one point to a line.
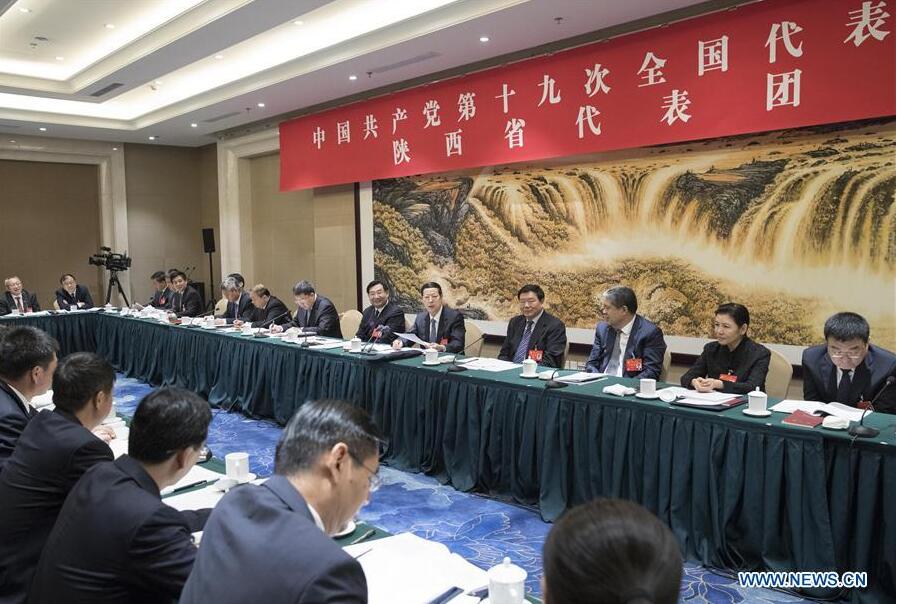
x: 847, y: 368
x: 271, y: 543
x: 114, y: 540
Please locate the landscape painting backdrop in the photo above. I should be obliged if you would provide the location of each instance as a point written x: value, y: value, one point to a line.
x: 795, y: 224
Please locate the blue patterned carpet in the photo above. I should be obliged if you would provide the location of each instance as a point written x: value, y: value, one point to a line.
x: 481, y: 530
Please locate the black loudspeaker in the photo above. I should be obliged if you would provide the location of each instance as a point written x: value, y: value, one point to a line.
x: 208, y: 241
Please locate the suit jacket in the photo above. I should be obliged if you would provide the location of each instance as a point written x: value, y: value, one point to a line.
x: 66, y: 300
x: 275, y: 312
x: 322, y: 319
x: 748, y: 365
x: 52, y: 454
x: 645, y: 342
x: 186, y: 303
x: 450, y: 330
x: 820, y: 377
x: 549, y: 337
x: 115, y: 541
x: 14, y: 416
x: 241, y: 309
x: 161, y: 299
x: 265, y: 547
x: 8, y: 304
x: 391, y: 316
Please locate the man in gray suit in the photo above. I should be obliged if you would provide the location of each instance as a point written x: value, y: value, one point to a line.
x: 271, y: 543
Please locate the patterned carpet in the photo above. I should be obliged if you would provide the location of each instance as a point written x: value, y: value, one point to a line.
x: 481, y: 530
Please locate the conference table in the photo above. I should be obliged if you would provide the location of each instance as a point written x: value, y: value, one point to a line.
x: 739, y: 492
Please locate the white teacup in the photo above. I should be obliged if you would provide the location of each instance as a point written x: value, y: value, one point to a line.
x: 529, y: 367
x: 237, y: 466
x: 355, y: 344
x: 431, y: 355
x: 506, y: 583
x: 757, y: 401
x: 647, y: 386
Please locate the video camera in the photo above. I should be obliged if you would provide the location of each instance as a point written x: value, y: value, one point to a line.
x: 110, y: 260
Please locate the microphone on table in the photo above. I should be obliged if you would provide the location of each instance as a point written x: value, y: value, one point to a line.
x: 377, y: 333
x: 455, y: 367
x: 553, y: 383
x: 266, y: 323
x: 869, y: 431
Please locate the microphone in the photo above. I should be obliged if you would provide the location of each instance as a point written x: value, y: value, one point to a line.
x: 369, y: 345
x: 869, y: 431
x: 553, y: 383
x: 268, y: 322
x: 455, y: 367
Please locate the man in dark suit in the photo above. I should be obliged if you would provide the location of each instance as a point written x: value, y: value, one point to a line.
x: 626, y: 344
x: 72, y: 296
x: 534, y: 333
x: 114, y: 539
x: 27, y: 363
x: 271, y: 543
x: 185, y: 301
x: 55, y: 449
x: 267, y: 310
x: 847, y: 368
x: 316, y: 314
x: 381, y: 312
x: 162, y: 294
x: 438, y: 325
x: 17, y: 299
x: 239, y: 303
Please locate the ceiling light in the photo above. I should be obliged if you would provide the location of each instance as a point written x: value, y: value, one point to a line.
x: 109, y: 26
x: 24, y: 10
x: 115, y: 148
x: 152, y: 138
x: 60, y: 58
x: 194, y: 125
x: 12, y: 141
x: 219, y: 57
x: 353, y: 77
x: 297, y: 22
x: 262, y: 105
x: 42, y: 129
x: 484, y: 39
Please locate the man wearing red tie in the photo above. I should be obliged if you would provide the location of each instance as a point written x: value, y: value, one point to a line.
x: 17, y: 299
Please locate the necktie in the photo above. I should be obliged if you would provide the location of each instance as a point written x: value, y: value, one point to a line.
x: 432, y: 330
x: 307, y: 317
x: 844, y: 388
x: 19, y: 304
x: 523, y: 347
x: 613, y: 364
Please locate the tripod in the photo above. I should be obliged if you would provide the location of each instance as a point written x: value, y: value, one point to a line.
x: 113, y: 279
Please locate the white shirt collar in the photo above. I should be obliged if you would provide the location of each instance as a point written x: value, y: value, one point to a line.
x: 628, y: 327
x: 21, y: 396
x: 316, y: 517
x: 437, y: 315
x: 536, y: 318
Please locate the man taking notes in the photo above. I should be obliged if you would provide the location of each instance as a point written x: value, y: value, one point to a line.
x: 847, y: 368
x: 239, y: 303
x: 267, y: 310
x: 271, y: 543
x: 534, y: 333
x: 626, y: 344
x: 316, y: 314
x: 438, y: 325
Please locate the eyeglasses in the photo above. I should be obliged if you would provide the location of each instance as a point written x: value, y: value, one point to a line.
x: 374, y: 480
x: 837, y: 354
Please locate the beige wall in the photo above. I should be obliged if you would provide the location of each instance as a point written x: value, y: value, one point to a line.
x: 172, y: 195
x: 301, y: 235
x: 50, y: 225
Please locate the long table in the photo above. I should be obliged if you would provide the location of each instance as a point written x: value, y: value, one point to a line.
x: 738, y: 492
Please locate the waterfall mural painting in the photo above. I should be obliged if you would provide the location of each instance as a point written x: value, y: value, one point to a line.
x: 796, y: 224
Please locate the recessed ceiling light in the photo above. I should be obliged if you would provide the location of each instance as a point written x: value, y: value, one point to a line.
x: 298, y: 22
x: 109, y: 26
x: 42, y: 129
x: 24, y: 10
x: 60, y: 58
x: 353, y: 77
x: 152, y: 138
x: 219, y: 57
x: 115, y: 148
x: 12, y: 141
x: 262, y: 105
x: 484, y: 39
x: 194, y: 125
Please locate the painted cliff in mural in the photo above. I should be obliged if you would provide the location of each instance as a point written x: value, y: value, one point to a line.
x: 795, y: 224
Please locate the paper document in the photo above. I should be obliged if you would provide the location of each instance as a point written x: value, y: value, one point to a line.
x: 693, y: 395
x: 202, y: 498
x: 410, y: 337
x: 119, y: 447
x: 580, y: 377
x: 327, y: 345
x: 196, y: 474
x: 837, y: 409
x: 493, y: 365
x: 699, y: 402
x: 407, y: 568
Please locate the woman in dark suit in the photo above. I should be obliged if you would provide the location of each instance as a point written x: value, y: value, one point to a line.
x: 734, y: 362
x: 72, y: 296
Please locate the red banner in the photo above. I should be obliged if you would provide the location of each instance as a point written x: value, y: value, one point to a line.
x: 766, y: 66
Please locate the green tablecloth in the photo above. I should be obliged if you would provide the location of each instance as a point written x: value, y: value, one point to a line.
x: 738, y: 492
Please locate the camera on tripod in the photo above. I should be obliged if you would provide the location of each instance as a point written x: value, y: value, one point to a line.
x: 110, y: 260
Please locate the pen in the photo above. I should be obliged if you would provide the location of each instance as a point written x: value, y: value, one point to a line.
x: 191, y: 485
x: 364, y: 536
x: 363, y: 553
x: 480, y: 593
x: 446, y: 596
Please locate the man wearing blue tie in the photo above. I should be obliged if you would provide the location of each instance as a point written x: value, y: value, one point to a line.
x: 534, y: 333
x: 626, y: 344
